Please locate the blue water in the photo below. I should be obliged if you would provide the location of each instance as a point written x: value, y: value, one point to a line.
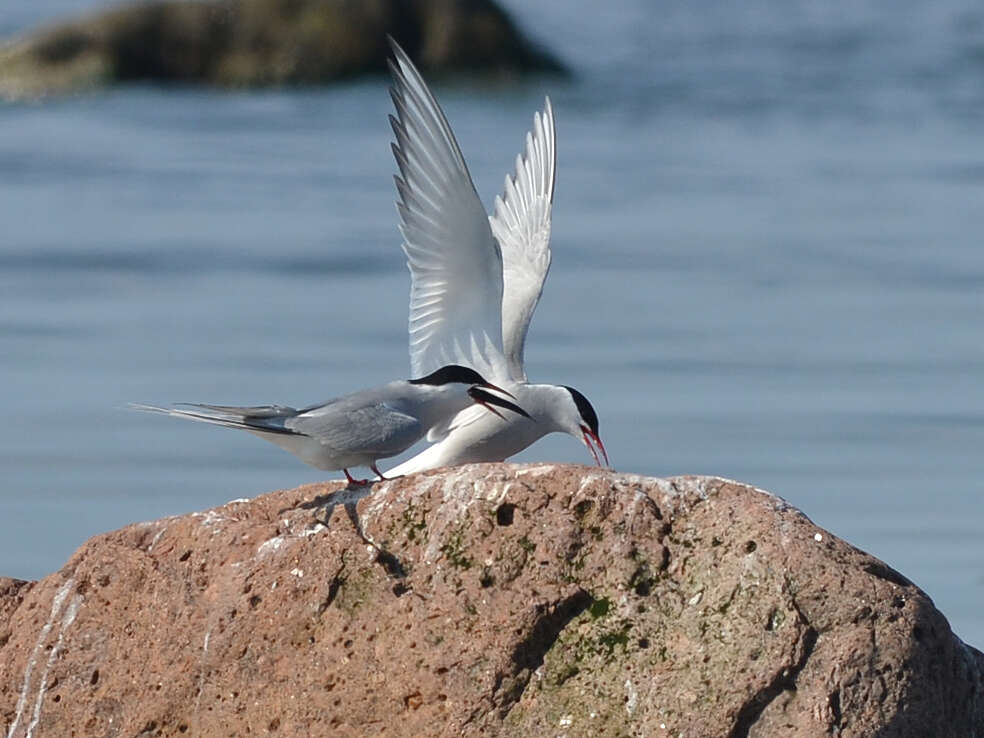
x: 768, y: 265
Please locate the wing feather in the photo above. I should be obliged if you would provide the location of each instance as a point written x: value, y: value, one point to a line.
x: 454, y: 260
x: 370, y: 429
x: 521, y: 225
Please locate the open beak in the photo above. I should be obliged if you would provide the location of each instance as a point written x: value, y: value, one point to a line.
x: 487, y: 400
x: 589, y: 437
x: 499, y: 389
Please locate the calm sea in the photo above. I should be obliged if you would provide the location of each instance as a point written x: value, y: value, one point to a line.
x: 768, y: 265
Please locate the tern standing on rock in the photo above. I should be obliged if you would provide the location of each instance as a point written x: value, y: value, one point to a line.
x: 363, y: 427
x: 475, y: 279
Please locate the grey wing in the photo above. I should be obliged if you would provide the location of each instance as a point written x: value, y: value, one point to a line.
x: 253, y: 411
x: 375, y: 429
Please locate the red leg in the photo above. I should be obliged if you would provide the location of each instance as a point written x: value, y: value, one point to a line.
x: 354, y: 482
x: 375, y: 470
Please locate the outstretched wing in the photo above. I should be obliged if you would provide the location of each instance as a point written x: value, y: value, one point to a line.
x: 521, y: 225
x: 455, y: 263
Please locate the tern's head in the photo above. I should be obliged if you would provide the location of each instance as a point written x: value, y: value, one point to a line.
x: 578, y: 418
x: 461, y: 379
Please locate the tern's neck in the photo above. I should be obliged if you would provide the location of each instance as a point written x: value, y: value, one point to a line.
x: 440, y: 402
x: 547, y: 403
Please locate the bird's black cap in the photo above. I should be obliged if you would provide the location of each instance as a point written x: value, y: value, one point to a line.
x: 584, y: 407
x: 452, y: 373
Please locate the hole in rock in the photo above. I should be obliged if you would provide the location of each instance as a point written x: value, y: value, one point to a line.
x: 504, y: 514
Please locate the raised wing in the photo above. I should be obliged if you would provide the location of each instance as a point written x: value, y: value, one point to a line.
x: 455, y: 263
x: 521, y: 225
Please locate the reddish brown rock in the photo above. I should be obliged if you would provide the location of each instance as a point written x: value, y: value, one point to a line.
x: 500, y: 600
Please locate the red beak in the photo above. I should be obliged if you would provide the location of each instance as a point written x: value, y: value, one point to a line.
x: 589, y: 437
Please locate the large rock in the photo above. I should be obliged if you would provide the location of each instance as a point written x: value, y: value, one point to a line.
x: 264, y: 42
x: 497, y: 600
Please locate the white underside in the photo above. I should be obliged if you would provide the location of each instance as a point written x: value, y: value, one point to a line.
x: 477, y: 435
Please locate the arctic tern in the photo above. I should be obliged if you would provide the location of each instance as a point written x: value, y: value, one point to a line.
x: 360, y: 428
x: 475, y: 279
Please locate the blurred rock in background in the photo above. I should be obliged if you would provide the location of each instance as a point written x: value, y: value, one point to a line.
x: 251, y: 43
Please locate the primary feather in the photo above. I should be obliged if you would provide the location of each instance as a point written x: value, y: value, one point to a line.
x: 454, y: 260
x: 521, y: 225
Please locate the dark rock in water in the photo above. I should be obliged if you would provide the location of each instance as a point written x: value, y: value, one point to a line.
x: 499, y: 600
x: 248, y: 43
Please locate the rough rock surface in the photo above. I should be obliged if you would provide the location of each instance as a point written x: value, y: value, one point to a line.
x: 240, y: 43
x: 498, y: 600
